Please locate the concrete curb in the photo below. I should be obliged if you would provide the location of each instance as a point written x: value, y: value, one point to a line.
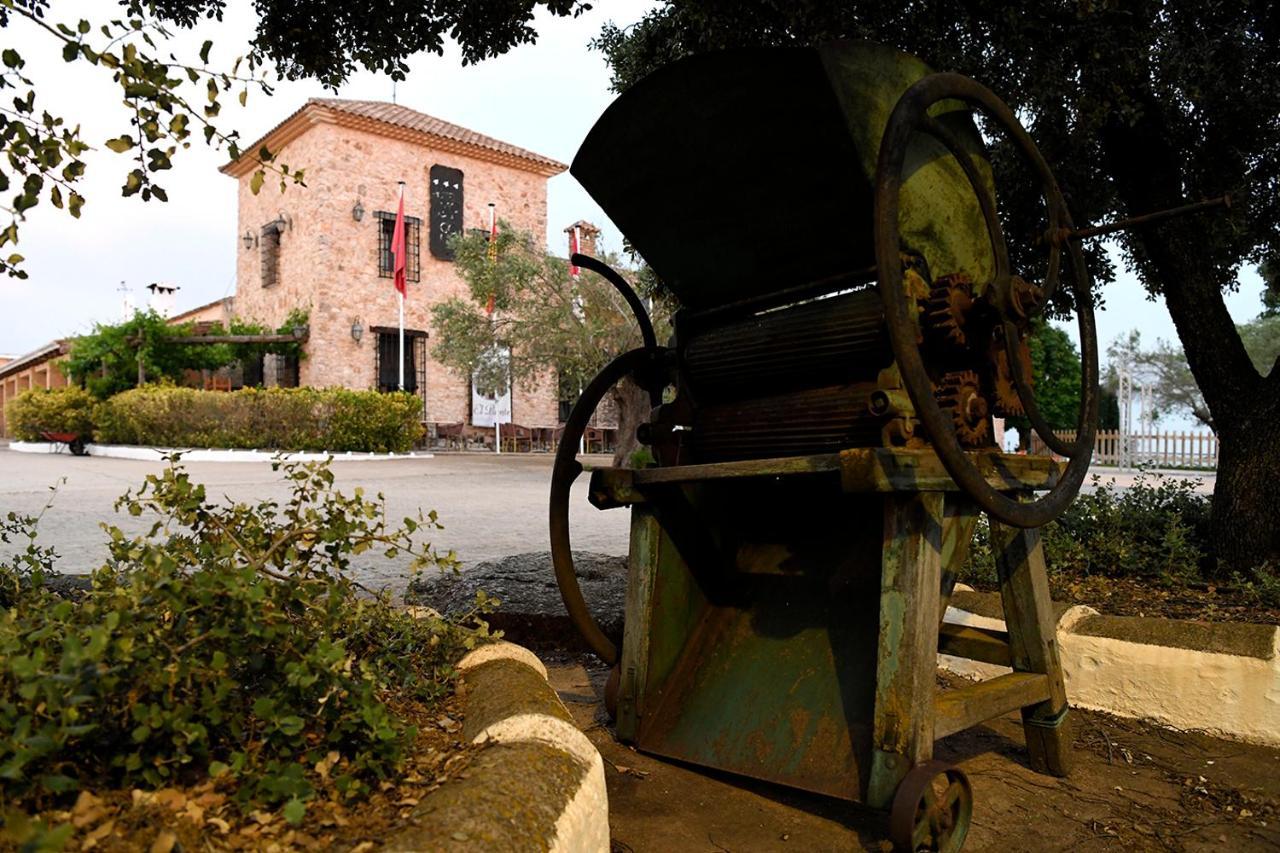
x: 1218, y: 677
x: 210, y: 454
x: 539, y: 785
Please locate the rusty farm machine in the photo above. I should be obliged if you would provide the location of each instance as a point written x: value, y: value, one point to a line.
x: 849, y: 324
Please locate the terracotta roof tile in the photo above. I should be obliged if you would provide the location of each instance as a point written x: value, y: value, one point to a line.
x: 403, y: 117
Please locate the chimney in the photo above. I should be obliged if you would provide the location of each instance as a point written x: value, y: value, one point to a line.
x: 162, y: 297
x: 587, y: 236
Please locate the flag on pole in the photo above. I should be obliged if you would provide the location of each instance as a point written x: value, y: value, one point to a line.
x: 399, y: 265
x: 399, y: 256
x: 573, y: 250
x: 493, y: 233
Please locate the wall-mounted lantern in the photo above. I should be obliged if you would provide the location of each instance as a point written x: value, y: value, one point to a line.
x: 357, y: 330
x: 247, y: 239
x: 357, y: 212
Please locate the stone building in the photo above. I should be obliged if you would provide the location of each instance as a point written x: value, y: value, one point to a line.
x: 325, y: 247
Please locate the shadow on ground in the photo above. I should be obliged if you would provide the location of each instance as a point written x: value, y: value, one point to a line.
x: 1134, y: 787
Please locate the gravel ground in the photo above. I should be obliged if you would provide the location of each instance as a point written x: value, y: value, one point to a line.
x: 491, y: 506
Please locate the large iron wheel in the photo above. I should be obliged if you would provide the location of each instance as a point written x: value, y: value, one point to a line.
x: 931, y: 809
x: 640, y: 361
x: 910, y: 116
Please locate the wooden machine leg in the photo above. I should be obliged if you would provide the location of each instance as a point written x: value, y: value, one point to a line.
x: 1028, y: 612
x: 906, y: 663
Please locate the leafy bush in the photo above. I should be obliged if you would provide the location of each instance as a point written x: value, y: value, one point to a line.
x: 1156, y: 528
x: 68, y: 409
x: 107, y: 359
x: 331, y: 419
x: 230, y: 641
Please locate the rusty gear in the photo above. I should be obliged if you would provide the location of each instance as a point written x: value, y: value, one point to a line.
x: 960, y: 393
x: 947, y: 309
x: 1008, y: 401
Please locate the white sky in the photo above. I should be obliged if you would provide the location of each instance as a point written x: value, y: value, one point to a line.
x: 544, y: 97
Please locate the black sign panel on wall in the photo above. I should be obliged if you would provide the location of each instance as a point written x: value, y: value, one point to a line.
x: 446, y: 209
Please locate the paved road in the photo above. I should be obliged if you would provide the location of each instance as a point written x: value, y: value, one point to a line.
x: 491, y: 506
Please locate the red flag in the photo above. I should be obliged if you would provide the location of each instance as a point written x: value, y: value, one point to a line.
x: 573, y: 250
x: 398, y: 253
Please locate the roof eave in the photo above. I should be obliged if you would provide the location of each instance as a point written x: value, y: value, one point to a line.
x: 35, y: 357
x: 312, y: 113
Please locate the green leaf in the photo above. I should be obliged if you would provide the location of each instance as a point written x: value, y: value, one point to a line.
x: 120, y: 144
x: 11, y: 58
x: 255, y: 183
x: 133, y: 182
x: 217, y: 768
x: 290, y: 725
x: 294, y: 811
x: 70, y: 51
x: 204, y: 52
x: 58, y: 784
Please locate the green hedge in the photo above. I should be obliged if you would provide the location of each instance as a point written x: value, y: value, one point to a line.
x: 39, y: 410
x: 332, y: 419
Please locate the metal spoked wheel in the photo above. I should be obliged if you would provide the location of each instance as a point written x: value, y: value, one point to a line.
x: 911, y: 116
x: 567, y: 468
x: 931, y: 809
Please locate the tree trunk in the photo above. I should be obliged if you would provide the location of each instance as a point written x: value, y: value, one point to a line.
x: 632, y: 406
x: 1246, y: 522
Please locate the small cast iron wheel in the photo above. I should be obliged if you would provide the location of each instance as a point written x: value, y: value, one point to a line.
x: 642, y: 361
x: 77, y: 447
x: 931, y: 809
x: 911, y: 115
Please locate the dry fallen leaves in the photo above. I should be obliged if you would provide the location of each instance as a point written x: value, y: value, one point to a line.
x: 91, y: 839
x: 87, y: 811
x: 164, y: 842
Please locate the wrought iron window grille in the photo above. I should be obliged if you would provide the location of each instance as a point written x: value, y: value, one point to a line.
x: 413, y: 238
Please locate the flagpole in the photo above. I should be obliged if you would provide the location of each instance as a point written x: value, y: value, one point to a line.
x: 400, y: 293
x: 493, y: 248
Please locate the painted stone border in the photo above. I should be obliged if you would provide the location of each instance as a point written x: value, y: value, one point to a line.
x: 539, y: 785
x: 1222, y: 678
x: 210, y: 454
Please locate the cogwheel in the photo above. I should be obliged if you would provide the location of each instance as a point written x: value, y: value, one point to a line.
x: 1008, y: 401
x: 960, y: 393
x: 947, y: 308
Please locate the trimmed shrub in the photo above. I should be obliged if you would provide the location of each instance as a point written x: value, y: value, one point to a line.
x: 68, y: 409
x: 332, y: 419
x: 1157, y: 528
x: 230, y: 642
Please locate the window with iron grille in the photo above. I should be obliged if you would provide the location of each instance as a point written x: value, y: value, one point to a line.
x: 287, y: 374
x: 412, y: 238
x: 269, y: 247
x: 446, y: 210
x: 385, y: 356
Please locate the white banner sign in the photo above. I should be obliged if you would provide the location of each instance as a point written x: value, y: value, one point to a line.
x: 486, y: 411
x: 490, y: 408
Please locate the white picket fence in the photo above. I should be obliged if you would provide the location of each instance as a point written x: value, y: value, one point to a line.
x: 1164, y: 450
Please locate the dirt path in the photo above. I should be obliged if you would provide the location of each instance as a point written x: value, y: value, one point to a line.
x: 1134, y: 787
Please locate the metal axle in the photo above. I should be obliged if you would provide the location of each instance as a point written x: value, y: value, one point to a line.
x: 1144, y: 219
